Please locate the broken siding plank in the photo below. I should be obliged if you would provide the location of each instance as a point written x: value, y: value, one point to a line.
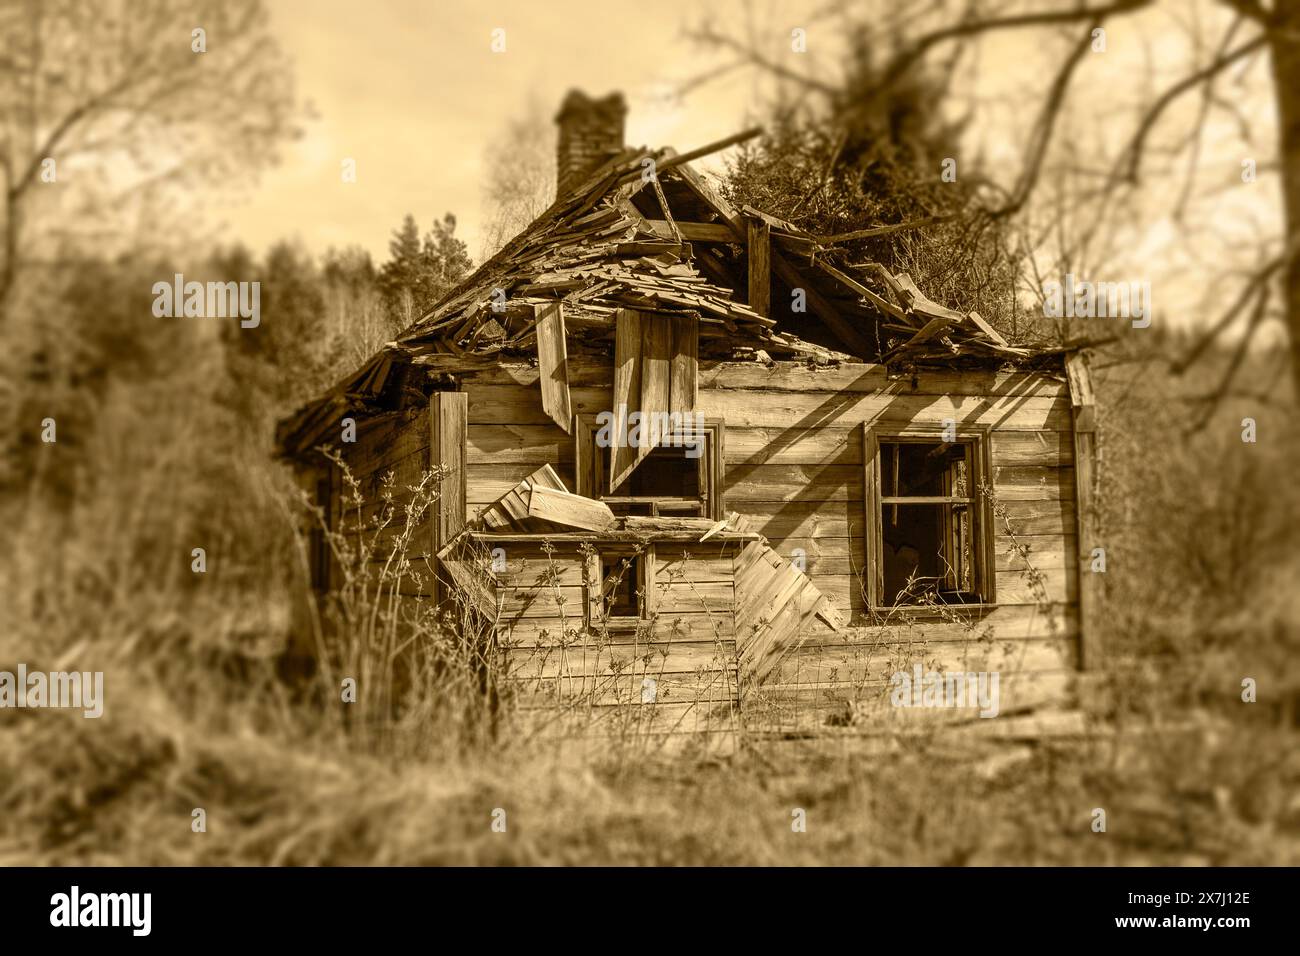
x: 571, y: 511
x: 487, y: 482
x: 626, y: 396
x: 552, y: 360
x: 684, y: 375
x: 1085, y: 459
x: 448, y: 415
x: 656, y: 371
x: 759, y: 273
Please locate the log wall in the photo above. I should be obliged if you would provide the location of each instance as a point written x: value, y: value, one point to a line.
x: 794, y: 467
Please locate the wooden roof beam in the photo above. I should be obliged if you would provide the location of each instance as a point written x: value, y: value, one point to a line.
x: 759, y: 250
x: 847, y: 332
x: 691, y: 231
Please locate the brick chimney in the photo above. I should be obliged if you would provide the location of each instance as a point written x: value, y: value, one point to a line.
x: 590, y: 132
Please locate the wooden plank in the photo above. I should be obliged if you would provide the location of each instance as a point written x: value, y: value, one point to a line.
x: 794, y: 483
x: 693, y: 231
x: 675, y: 564
x: 486, y: 482
x: 874, y: 570
x: 790, y: 376
x: 1007, y: 622
x: 698, y: 689
x: 626, y: 397
x: 519, y: 405
x: 656, y: 379
x: 789, y: 410
x: 684, y: 375
x: 711, y: 597
x: 448, y: 417
x: 680, y: 627
x: 832, y: 445
x: 813, y: 707
x: 568, y: 600
x: 758, y: 251
x: 552, y: 361
x: 518, y: 444
x: 1033, y: 483
x: 809, y: 519
x: 882, y: 305
x: 593, y: 660
x: 1048, y: 448
x: 571, y: 511
x: 1085, y: 462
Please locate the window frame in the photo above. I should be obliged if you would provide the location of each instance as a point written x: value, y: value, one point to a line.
x: 983, y: 530
x: 589, y: 472
x: 644, y: 568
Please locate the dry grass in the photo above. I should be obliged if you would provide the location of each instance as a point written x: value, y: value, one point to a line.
x: 197, y: 714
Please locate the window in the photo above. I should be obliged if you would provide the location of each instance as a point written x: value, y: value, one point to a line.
x: 929, y: 525
x: 618, y: 594
x: 672, y: 481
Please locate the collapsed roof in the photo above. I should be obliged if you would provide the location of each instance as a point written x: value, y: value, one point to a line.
x: 644, y: 231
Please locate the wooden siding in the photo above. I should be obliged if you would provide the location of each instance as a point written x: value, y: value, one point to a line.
x: 794, y: 467
x: 552, y: 658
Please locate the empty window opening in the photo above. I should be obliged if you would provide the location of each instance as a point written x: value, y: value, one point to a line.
x: 668, y: 482
x: 621, y: 581
x: 929, y: 548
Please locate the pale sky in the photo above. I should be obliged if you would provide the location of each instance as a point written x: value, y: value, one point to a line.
x: 413, y: 92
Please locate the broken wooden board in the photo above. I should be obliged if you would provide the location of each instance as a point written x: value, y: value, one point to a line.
x: 656, y: 373
x: 569, y: 511
x: 626, y: 395
x: 510, y: 511
x: 775, y: 606
x: 552, y: 359
x: 649, y: 526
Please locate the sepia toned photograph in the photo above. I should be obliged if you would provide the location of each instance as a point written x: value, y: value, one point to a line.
x: 752, y: 433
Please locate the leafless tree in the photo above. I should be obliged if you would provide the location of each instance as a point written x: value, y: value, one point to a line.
x: 131, y: 95
x: 934, y: 37
x: 520, y: 180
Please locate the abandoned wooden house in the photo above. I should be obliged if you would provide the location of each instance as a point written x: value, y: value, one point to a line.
x: 696, y: 462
